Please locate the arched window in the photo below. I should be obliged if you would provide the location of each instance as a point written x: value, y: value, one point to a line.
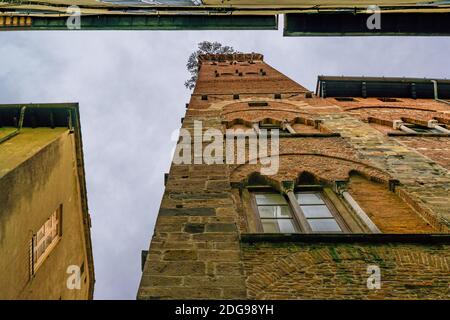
x: 237, y: 124
x: 301, y: 125
x: 310, y: 207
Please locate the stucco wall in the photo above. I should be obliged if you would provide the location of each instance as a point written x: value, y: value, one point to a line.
x: 38, y: 174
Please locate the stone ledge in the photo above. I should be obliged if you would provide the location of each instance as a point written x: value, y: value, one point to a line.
x: 438, y: 238
x: 310, y: 135
x: 296, y: 135
x: 407, y: 134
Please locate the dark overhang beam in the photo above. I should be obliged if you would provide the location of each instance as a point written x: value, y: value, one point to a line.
x: 365, y: 87
x: 40, y: 115
x: 355, y: 24
x: 147, y: 22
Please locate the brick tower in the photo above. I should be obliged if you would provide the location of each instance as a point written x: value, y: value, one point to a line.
x: 357, y: 208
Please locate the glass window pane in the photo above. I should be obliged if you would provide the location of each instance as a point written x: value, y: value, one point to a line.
x: 286, y: 225
x: 422, y: 129
x: 319, y: 211
x: 270, y: 198
x: 324, y: 225
x: 278, y: 225
x: 309, y: 198
x: 270, y: 226
x: 274, y: 211
x: 40, y: 234
x: 48, y: 240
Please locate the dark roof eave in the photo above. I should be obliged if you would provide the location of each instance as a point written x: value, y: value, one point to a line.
x: 366, y: 87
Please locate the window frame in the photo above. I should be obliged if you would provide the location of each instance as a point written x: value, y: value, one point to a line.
x: 330, y: 205
x: 424, y: 129
x: 37, y: 263
x: 254, y: 190
x: 279, y: 127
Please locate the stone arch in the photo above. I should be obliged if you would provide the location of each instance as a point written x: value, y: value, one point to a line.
x: 366, y: 176
x: 303, y: 120
x: 256, y: 178
x: 386, y: 114
x: 286, y: 110
x: 237, y: 123
x: 306, y: 177
x: 327, y: 168
x: 388, y: 107
x: 272, y: 121
x: 257, y: 114
x: 273, y: 104
x: 307, y: 125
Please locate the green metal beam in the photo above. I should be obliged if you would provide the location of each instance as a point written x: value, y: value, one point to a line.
x: 155, y: 22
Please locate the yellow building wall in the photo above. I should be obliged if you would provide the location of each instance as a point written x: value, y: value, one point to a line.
x: 38, y: 172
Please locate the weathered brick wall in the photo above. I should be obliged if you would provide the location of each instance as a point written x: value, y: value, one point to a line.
x: 424, y: 180
x: 339, y: 271
x: 422, y: 110
x: 386, y: 209
x: 196, y: 252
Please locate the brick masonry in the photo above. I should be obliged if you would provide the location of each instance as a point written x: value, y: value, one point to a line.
x: 196, y: 251
x: 339, y: 271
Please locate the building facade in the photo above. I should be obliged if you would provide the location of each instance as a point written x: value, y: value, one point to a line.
x: 357, y: 208
x: 301, y: 17
x: 45, y: 244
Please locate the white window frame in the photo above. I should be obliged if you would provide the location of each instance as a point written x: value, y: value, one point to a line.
x: 45, y: 239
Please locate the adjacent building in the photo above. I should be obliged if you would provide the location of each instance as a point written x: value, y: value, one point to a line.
x: 301, y: 17
x: 45, y: 244
x: 359, y: 206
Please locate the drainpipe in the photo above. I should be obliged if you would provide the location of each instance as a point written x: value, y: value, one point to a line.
x: 436, y: 97
x: 360, y: 212
x: 398, y: 125
x: 434, y: 124
x: 19, y: 127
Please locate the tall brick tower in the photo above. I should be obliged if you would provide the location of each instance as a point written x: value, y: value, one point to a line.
x: 359, y: 206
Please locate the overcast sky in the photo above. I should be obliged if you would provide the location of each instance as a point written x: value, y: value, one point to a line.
x: 131, y: 94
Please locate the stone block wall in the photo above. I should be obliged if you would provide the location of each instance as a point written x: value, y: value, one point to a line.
x: 197, y: 250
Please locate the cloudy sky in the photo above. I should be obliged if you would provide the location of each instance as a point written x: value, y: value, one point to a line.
x: 131, y: 94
